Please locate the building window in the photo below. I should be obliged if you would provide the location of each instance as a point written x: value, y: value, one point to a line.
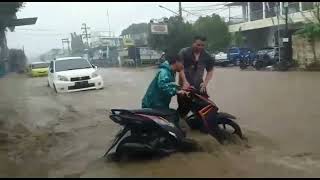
x: 307, y: 6
x: 293, y: 7
x: 271, y: 9
x: 256, y: 10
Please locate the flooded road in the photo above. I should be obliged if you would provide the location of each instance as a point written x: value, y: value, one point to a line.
x: 44, y: 134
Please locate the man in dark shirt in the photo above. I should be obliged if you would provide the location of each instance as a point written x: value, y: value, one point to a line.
x: 195, y: 60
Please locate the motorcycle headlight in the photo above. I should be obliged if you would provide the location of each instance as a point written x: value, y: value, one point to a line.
x: 93, y: 75
x: 62, y: 78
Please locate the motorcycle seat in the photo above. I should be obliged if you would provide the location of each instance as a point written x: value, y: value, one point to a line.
x: 154, y: 112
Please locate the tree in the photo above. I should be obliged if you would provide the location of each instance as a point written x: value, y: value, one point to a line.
x: 8, y: 11
x: 179, y: 36
x: 238, y: 39
x: 51, y: 54
x: 137, y: 32
x: 77, y: 45
x: 311, y: 30
x: 10, y: 8
x: 216, y: 31
x: 135, y: 29
x: 17, y: 60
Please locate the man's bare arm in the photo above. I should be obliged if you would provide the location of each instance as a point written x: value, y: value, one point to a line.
x: 209, y: 76
x: 182, y: 77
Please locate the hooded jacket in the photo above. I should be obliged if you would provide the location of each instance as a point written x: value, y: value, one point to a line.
x: 161, y: 89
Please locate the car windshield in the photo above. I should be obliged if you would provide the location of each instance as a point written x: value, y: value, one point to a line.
x: 233, y: 51
x: 72, y: 64
x: 40, y: 65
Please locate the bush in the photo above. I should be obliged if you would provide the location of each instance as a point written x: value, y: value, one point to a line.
x: 314, y: 66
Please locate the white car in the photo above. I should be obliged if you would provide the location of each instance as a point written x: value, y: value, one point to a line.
x: 222, y: 59
x: 71, y: 74
x: 221, y: 56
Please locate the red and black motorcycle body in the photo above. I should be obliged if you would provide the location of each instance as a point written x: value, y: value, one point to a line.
x: 207, y: 118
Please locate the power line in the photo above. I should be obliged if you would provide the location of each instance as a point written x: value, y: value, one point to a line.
x: 21, y: 29
x: 209, y: 9
x: 205, y: 14
x: 209, y: 5
x: 169, y: 10
x: 39, y: 34
x: 191, y: 13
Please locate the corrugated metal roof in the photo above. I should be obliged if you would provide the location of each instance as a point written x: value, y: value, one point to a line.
x: 236, y: 4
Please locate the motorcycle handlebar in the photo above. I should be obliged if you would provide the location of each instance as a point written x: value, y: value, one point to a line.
x: 193, y: 91
x: 190, y: 90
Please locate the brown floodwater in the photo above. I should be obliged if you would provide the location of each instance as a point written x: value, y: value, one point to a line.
x: 43, y: 134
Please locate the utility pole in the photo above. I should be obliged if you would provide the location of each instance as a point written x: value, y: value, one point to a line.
x: 286, y: 39
x: 85, y: 33
x: 62, y: 46
x: 180, y: 10
x: 68, y: 43
x: 229, y: 14
x: 278, y: 31
x: 109, y: 23
x: 66, y: 40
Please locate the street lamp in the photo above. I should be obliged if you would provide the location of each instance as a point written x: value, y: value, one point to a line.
x: 169, y: 10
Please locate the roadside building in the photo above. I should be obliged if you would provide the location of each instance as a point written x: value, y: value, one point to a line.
x: 263, y: 23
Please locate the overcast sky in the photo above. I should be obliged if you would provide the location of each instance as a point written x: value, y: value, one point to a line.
x: 56, y: 20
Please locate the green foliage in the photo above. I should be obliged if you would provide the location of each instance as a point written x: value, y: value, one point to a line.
x: 181, y: 33
x: 17, y: 60
x: 238, y: 39
x: 53, y: 53
x: 310, y: 31
x: 10, y: 8
x: 216, y: 31
x: 180, y: 36
x: 136, y: 29
x: 77, y: 45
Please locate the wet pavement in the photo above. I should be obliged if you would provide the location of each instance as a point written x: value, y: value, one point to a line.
x: 44, y: 134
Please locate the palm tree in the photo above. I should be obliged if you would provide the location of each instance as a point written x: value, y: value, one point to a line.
x: 311, y: 30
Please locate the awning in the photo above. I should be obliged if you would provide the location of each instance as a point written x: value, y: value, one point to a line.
x: 22, y: 22
x: 236, y: 4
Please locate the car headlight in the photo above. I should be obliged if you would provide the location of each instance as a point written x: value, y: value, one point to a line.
x: 93, y: 75
x: 62, y: 78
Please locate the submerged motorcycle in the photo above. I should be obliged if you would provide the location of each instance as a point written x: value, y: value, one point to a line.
x: 147, y: 132
x: 207, y: 118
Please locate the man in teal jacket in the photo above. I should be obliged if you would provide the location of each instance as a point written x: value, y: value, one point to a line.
x: 163, y: 87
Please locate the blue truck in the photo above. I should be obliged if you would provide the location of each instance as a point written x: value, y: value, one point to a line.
x: 238, y: 55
